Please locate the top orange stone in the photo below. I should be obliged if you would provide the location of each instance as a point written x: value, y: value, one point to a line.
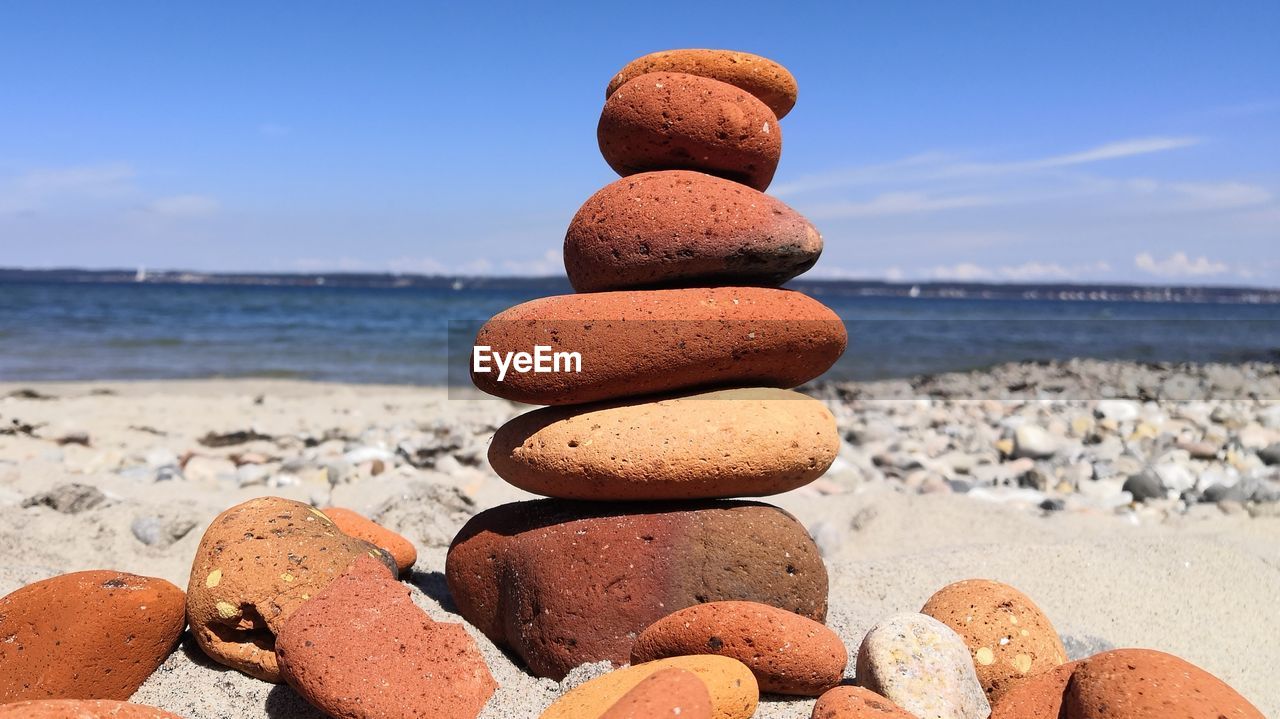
x: 770, y: 82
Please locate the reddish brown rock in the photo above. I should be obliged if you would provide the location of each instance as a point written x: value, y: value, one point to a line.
x: 361, y: 527
x: 787, y: 653
x: 674, y: 121
x: 638, y: 343
x: 257, y: 563
x: 1036, y: 697
x: 627, y: 567
x: 81, y: 709
x: 728, y: 443
x: 1007, y: 634
x: 86, y: 635
x: 770, y: 82
x: 1146, y: 684
x: 676, y: 228
x: 857, y: 703
x: 668, y: 693
x: 362, y: 649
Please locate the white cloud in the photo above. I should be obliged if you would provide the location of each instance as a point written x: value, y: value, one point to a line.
x: 1179, y: 265
x: 898, y: 203
x: 550, y: 263
x: 183, y: 206
x: 1031, y: 271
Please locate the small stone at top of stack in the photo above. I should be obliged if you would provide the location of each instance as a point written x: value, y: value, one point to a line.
x: 688, y: 355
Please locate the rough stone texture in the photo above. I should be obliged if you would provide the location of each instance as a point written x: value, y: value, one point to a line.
x: 668, y: 693
x: 857, y: 703
x: 1146, y: 684
x: 81, y: 709
x: 733, y: 689
x: 86, y: 635
x: 674, y: 121
x: 920, y: 664
x: 730, y: 443
x: 1037, y: 697
x: 361, y: 527
x: 677, y: 227
x: 361, y: 649
x: 768, y: 81
x: 787, y: 653
x: 647, y: 342
x: 257, y: 563
x: 1007, y: 634
x: 563, y: 583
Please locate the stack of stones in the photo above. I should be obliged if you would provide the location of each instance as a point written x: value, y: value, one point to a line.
x: 682, y: 399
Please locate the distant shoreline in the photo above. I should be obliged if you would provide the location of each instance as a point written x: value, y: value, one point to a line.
x: 560, y: 285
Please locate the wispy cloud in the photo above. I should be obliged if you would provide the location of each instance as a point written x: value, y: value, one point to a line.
x: 183, y: 206
x: 898, y: 203
x: 935, y: 166
x: 274, y: 129
x: 1114, y: 151
x: 1026, y: 272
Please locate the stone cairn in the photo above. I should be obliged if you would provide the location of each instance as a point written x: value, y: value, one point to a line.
x: 688, y: 353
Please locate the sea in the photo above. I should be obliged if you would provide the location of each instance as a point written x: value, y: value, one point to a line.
x: 396, y: 330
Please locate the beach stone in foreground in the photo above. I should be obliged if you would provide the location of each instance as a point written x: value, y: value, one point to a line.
x: 675, y: 121
x: 564, y: 583
x: 361, y: 527
x: 857, y: 703
x: 1146, y: 684
x: 923, y: 666
x: 257, y: 563
x: 647, y: 342
x: 768, y: 81
x: 1036, y: 697
x: 1007, y: 634
x: 361, y: 649
x: 81, y: 709
x: 729, y: 683
x: 728, y: 443
x: 678, y: 227
x: 667, y: 693
x: 86, y: 635
x: 787, y: 653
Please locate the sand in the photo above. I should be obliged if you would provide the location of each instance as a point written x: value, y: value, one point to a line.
x: 1200, y: 582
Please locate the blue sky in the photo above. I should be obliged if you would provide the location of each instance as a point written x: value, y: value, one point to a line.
x: 1107, y: 141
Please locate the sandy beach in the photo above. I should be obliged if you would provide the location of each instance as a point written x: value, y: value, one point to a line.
x: 1016, y: 474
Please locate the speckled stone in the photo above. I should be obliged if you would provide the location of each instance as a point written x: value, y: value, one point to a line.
x: 86, y: 635
x: 729, y: 683
x: 674, y: 121
x: 1036, y: 697
x: 257, y: 563
x: 923, y: 666
x: 674, y: 228
x: 562, y: 583
x: 81, y: 709
x: 1146, y: 684
x: 361, y: 649
x: 768, y: 81
x: 646, y: 342
x: 787, y: 653
x: 729, y: 443
x: 1007, y: 634
x: 848, y: 702
x: 361, y: 527
x: 662, y: 695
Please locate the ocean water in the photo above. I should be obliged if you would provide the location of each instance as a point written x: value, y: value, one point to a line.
x: 78, y: 331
